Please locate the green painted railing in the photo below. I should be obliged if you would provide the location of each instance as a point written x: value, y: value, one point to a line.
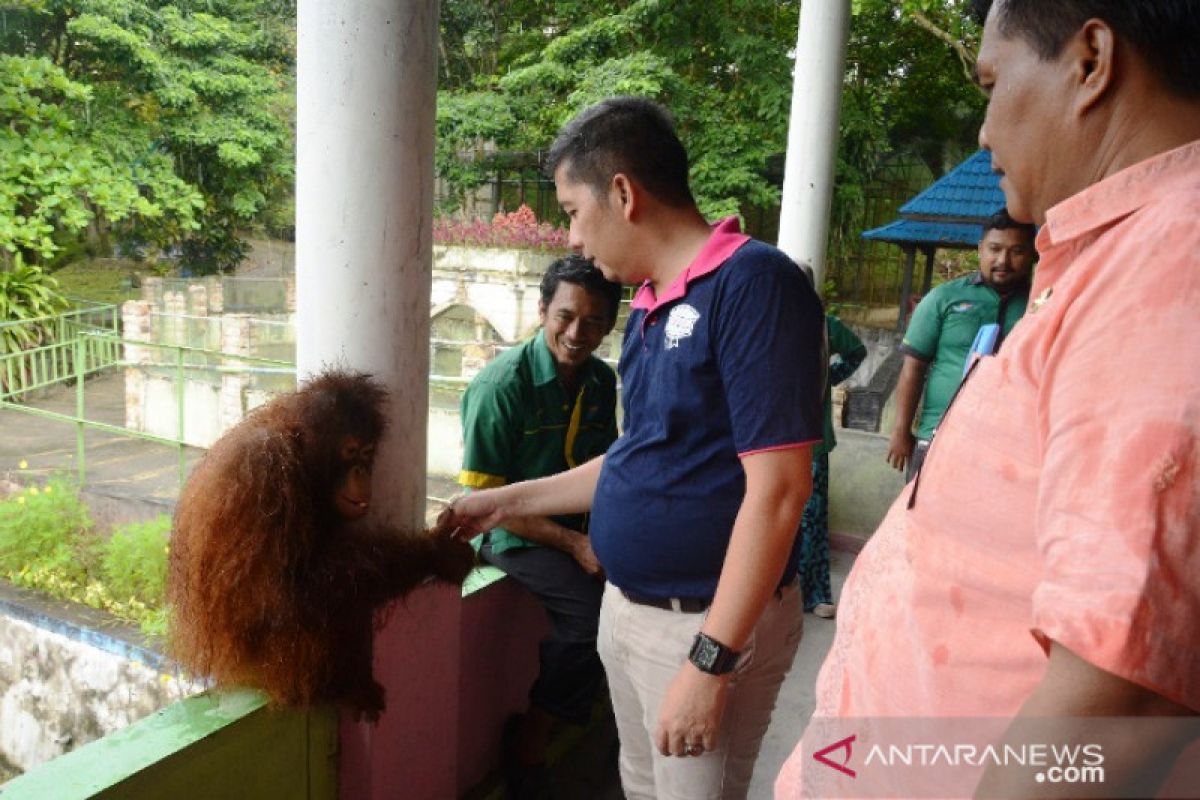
x: 208, y: 746
x: 86, y: 349
x: 52, y: 363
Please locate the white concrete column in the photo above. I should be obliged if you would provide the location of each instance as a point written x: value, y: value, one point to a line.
x: 234, y: 330
x: 366, y: 96
x: 813, y: 132
x: 366, y: 101
x: 136, y: 327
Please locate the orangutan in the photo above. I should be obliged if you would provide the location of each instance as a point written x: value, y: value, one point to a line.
x: 275, y: 579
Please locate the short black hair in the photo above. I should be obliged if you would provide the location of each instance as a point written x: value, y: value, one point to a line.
x: 581, y: 272
x: 1001, y: 221
x: 1165, y: 33
x: 630, y: 135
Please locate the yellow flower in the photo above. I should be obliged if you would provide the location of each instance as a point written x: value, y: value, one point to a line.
x: 20, y: 501
x: 23, y: 464
x: 33, y: 490
x: 47, y: 489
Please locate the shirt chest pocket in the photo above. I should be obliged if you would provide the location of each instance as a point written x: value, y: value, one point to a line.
x: 962, y: 322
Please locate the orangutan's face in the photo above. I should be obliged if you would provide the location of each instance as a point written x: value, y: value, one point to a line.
x: 353, y: 494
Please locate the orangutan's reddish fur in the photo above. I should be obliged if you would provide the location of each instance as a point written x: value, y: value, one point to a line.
x: 270, y: 587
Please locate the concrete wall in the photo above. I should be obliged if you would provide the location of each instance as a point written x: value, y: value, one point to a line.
x: 880, y: 343
x: 862, y: 485
x: 501, y: 284
x: 63, y: 684
x: 486, y: 660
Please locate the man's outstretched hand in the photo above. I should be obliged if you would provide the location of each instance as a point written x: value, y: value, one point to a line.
x: 470, y: 515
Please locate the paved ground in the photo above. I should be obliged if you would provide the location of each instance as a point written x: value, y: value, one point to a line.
x: 115, y: 464
x: 122, y: 467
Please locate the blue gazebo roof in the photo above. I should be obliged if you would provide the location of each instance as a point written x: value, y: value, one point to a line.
x: 936, y: 234
x: 949, y: 213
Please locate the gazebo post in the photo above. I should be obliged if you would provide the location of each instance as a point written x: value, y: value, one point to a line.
x: 927, y: 283
x: 910, y: 258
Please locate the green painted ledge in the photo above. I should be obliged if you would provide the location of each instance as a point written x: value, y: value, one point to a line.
x: 227, y: 745
x: 482, y: 577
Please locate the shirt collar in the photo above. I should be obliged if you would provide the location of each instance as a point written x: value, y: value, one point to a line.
x: 724, y: 241
x: 1118, y: 195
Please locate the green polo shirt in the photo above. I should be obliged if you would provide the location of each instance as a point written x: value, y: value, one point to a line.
x: 942, y: 330
x: 518, y: 423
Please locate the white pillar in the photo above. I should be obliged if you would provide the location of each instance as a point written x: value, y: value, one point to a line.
x: 366, y: 101
x: 366, y: 97
x: 813, y: 132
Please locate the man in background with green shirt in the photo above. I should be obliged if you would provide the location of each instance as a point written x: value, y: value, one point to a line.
x: 539, y: 409
x: 943, y: 328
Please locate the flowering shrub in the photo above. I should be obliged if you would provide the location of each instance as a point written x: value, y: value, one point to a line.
x: 518, y: 229
x: 47, y: 543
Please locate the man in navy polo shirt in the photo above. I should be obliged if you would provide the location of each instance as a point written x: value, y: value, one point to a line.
x: 695, y: 507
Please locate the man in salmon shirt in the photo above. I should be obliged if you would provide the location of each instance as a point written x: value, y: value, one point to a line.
x: 1045, y: 563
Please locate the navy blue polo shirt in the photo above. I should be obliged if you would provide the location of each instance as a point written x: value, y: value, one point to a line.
x: 727, y: 362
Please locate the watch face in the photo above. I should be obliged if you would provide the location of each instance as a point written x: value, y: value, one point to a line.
x: 707, y: 652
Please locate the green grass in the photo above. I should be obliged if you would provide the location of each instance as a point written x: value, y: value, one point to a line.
x: 106, y: 280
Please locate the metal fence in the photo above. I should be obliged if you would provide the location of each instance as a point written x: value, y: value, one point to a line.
x: 87, y: 341
x: 63, y: 352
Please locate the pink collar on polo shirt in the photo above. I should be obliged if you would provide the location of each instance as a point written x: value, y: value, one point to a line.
x: 726, y: 238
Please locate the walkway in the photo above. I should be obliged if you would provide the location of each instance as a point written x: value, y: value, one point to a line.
x: 116, y: 465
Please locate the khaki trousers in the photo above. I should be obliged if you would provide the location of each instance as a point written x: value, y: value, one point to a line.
x: 643, y: 648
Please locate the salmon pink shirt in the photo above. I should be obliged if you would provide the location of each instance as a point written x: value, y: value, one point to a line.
x: 1060, y: 500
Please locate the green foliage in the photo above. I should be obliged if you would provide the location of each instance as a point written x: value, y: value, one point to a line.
x: 103, y: 281
x: 721, y: 66
x: 161, y: 121
x: 45, y: 529
x: 47, y: 543
x: 58, y: 175
x: 26, y: 293
x: 513, y: 73
x: 134, y: 562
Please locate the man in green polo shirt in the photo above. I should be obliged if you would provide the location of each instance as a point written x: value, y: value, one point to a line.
x: 943, y: 328
x: 540, y: 408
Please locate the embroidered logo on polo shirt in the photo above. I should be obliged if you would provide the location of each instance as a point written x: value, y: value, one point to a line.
x: 965, y: 305
x: 680, y: 324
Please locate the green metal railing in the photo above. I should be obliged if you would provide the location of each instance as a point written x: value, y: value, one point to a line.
x: 53, y: 361
x: 87, y: 349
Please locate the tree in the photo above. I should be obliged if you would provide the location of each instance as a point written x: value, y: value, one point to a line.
x: 188, y: 100
x: 722, y: 66
x: 58, y: 176
x: 513, y: 72
x: 907, y: 90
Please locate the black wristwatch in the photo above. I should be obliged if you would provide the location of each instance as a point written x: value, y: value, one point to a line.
x: 711, y: 656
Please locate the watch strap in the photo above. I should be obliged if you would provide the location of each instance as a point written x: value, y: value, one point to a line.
x: 712, y: 657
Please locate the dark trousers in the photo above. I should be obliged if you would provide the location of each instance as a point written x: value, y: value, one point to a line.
x: 570, y: 674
